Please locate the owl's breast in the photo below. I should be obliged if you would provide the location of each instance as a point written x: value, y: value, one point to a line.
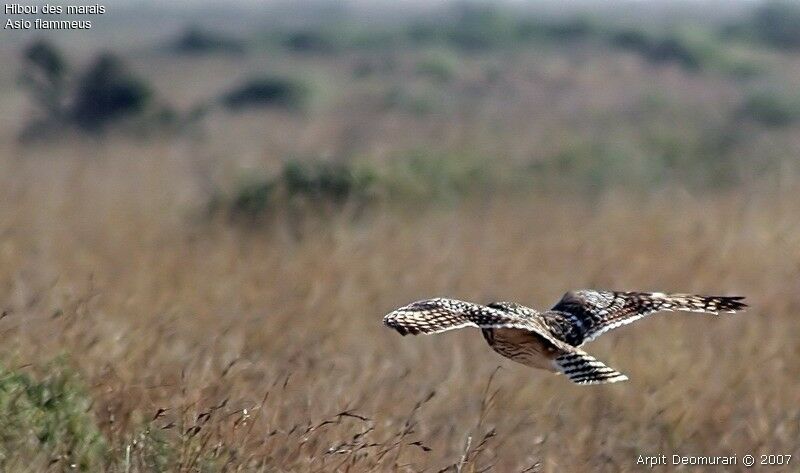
x: 522, y: 346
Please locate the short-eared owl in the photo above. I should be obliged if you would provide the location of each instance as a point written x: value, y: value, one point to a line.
x: 549, y: 340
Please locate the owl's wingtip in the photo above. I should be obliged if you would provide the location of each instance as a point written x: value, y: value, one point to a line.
x: 733, y: 304
x: 391, y: 322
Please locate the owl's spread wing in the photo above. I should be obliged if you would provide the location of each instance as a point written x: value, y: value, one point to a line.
x: 592, y: 313
x: 440, y: 315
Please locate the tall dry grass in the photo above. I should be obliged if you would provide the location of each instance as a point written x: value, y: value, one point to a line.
x: 208, y: 346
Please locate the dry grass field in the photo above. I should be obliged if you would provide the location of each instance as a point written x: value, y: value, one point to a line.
x: 285, y: 333
x: 139, y: 333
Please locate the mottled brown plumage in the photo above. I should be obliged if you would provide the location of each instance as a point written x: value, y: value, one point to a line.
x: 549, y: 340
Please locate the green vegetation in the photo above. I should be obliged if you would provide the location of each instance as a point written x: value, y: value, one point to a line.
x: 267, y: 91
x: 252, y: 200
x: 195, y: 40
x: 415, y: 100
x: 771, y: 109
x: 439, y: 65
x: 476, y: 27
x: 317, y: 180
x: 673, y: 49
x: 312, y: 183
x: 48, y: 424
x: 90, y: 101
x: 410, y: 177
x: 774, y: 23
x: 48, y: 421
x: 565, y: 30
x: 440, y: 175
x: 44, y: 75
x: 312, y: 41
x: 107, y: 92
x: 777, y: 22
x: 694, y: 49
x: 699, y: 156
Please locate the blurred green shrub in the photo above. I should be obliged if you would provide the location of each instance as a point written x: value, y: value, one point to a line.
x: 335, y: 36
x: 48, y: 418
x: 196, y: 40
x: 778, y: 23
x: 772, y: 22
x: 311, y: 41
x: 700, y: 158
x: 693, y: 155
x: 314, y: 183
x: 367, y: 65
x: 411, y: 100
x: 439, y: 175
x: 106, y: 92
x: 89, y: 100
x: 594, y: 166
x: 364, y: 68
x: 267, y: 91
x: 480, y: 26
x: 469, y: 26
x: 44, y: 74
x: 565, y: 30
x: 673, y: 48
x: 693, y: 48
x: 425, y: 32
x: 440, y: 65
x: 324, y: 180
x: 576, y: 28
x: 327, y: 185
x: 632, y: 39
x: 771, y: 109
x: 738, y: 63
x: 251, y: 200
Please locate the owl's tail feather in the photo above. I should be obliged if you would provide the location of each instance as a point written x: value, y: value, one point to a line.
x: 582, y: 368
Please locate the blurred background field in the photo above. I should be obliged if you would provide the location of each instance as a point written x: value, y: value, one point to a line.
x: 206, y: 211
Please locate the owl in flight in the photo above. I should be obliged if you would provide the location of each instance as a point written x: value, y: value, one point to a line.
x: 549, y: 340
